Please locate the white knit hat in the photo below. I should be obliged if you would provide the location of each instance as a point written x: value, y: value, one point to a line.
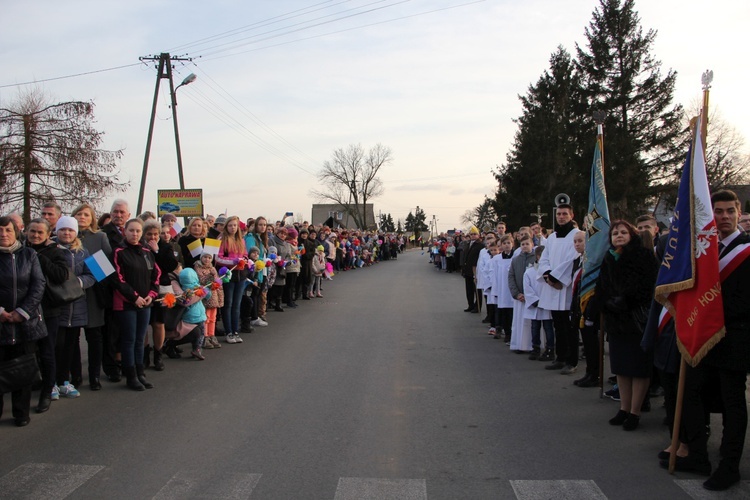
x: 66, y: 222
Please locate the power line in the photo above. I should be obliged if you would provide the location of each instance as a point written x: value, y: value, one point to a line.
x: 259, y: 24
x: 213, y: 108
x: 254, y: 118
x: 70, y: 76
x: 237, y: 44
x: 342, y: 30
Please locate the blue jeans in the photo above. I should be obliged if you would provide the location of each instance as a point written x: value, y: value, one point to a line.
x: 536, y: 330
x: 132, y: 325
x: 230, y: 313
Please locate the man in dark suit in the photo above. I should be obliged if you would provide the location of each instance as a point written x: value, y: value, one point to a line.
x: 469, y: 269
x: 725, y: 366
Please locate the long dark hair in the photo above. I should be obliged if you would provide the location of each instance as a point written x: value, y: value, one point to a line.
x: 264, y: 235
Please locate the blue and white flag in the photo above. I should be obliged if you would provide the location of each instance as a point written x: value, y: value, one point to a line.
x: 596, y: 227
x: 99, y: 265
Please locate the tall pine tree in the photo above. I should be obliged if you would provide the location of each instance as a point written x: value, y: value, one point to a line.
x: 546, y: 156
x: 644, y: 142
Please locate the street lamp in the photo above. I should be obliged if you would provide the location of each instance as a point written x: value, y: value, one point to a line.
x: 164, y: 71
x: 187, y: 81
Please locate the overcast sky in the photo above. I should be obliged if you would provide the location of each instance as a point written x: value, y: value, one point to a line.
x: 439, y: 87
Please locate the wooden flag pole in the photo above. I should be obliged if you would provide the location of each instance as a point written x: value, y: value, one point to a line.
x: 599, y: 117
x: 677, y: 416
x: 706, y: 80
x: 601, y: 355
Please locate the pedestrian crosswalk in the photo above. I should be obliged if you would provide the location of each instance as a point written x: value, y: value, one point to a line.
x: 559, y: 490
x: 193, y: 484
x: 60, y: 481
x: 48, y: 481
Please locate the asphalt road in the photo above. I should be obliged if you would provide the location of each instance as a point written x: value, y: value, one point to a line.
x: 384, y: 388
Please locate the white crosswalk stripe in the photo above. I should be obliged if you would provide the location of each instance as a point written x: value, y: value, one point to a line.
x: 557, y: 489
x: 60, y: 481
x: 48, y: 481
x: 694, y: 488
x: 360, y: 488
x: 195, y: 484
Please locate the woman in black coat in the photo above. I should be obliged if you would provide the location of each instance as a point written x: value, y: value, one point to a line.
x: 623, y: 293
x: 21, y: 290
x: 55, y: 268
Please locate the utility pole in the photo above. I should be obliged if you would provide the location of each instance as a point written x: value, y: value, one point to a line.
x: 164, y: 71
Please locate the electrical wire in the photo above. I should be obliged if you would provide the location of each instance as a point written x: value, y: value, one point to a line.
x: 259, y: 24
x: 341, y: 31
x: 227, y: 96
x: 70, y: 76
x: 236, y: 43
x: 215, y: 109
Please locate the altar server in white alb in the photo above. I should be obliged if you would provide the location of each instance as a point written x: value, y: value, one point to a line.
x: 483, y: 269
x: 500, y: 269
x: 520, y: 341
x: 538, y: 317
x: 556, y: 272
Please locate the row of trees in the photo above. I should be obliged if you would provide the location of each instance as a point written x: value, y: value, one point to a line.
x: 645, y: 136
x: 414, y: 223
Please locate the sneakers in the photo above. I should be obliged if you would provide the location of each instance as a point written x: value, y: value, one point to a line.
x: 237, y: 338
x: 258, y: 322
x: 208, y: 344
x: 491, y: 331
x: 55, y: 393
x: 569, y: 370
x: 67, y: 390
x: 613, y: 393
x: 215, y: 342
x: 555, y: 365
x: 231, y: 338
x: 320, y: 295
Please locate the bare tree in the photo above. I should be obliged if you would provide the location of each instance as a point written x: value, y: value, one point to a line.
x: 53, y: 152
x: 727, y: 163
x: 350, y: 179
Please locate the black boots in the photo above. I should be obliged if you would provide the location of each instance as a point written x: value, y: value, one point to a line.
x: 45, y: 399
x: 158, y: 363
x: 170, y: 350
x: 147, y: 356
x: 139, y: 369
x: 133, y: 381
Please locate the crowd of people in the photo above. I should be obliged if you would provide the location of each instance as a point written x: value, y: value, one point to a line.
x: 170, y: 286
x: 166, y: 287
x: 530, y: 281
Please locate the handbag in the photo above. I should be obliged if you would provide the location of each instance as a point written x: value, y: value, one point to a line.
x: 64, y: 293
x: 18, y: 373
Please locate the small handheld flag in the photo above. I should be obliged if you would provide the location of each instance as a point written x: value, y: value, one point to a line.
x: 196, y: 248
x: 99, y: 265
x: 175, y: 229
x: 211, y: 245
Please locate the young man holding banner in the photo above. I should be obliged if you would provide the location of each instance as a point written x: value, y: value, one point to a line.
x: 725, y: 366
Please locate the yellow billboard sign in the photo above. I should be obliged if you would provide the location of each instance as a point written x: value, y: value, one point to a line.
x: 180, y: 202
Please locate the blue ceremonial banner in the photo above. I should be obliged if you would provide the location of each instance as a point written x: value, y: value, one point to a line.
x: 596, y: 226
x: 676, y: 270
